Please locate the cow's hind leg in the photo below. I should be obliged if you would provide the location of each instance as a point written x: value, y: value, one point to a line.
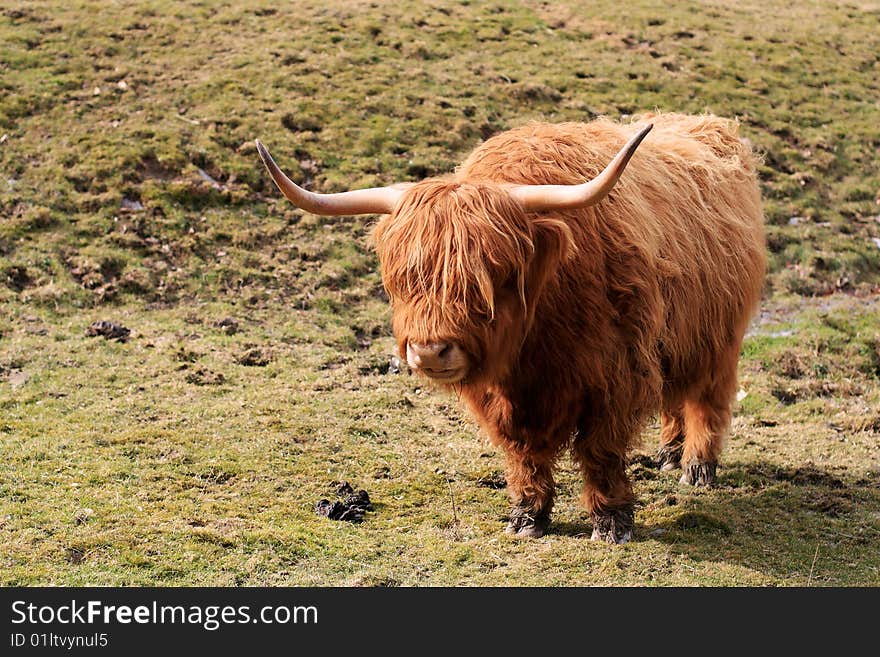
x: 601, y: 451
x: 671, y: 439
x: 706, y: 423
x: 530, y: 486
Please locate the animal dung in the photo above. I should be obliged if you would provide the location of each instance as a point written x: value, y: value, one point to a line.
x: 108, y: 330
x: 352, y: 508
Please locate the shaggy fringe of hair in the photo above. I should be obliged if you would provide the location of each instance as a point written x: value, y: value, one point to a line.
x: 454, y: 245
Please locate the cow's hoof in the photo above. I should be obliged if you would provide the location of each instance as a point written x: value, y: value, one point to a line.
x: 615, y: 526
x: 669, y: 458
x: 525, y: 522
x: 699, y: 473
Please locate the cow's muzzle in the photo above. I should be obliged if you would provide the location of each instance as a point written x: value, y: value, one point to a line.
x: 444, y: 362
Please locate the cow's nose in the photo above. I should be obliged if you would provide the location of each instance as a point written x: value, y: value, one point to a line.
x: 430, y: 356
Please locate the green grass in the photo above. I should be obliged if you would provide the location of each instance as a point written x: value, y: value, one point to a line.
x: 130, y: 190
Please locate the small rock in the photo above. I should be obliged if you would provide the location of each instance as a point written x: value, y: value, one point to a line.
x: 794, y: 221
x: 394, y: 365
x: 17, y: 378
x: 657, y: 532
x: 876, y: 241
x: 129, y: 205
x: 82, y: 516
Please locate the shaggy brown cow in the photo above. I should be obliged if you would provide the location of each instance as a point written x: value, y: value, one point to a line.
x: 567, y: 313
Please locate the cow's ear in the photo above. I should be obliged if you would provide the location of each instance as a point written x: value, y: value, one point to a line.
x: 554, y: 244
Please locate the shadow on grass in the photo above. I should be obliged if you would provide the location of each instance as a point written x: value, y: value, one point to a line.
x: 767, y: 518
x: 783, y: 522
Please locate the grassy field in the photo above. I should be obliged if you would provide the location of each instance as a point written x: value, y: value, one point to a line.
x: 194, y: 452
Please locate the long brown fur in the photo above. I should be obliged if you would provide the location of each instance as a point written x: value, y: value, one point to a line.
x: 582, y: 324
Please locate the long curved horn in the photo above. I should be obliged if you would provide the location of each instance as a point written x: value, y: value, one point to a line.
x: 377, y: 200
x: 543, y: 198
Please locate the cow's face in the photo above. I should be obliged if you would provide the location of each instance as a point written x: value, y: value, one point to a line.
x: 463, y: 266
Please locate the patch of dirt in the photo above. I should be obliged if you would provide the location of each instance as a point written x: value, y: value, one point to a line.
x: 99, y: 277
x: 217, y: 475
x: 785, y: 395
x: 17, y: 278
x: 254, y: 357
x: 149, y: 168
x: 228, y: 324
x: 529, y: 92
x: 184, y: 355
x: 74, y: 555
x: 380, y: 365
x: 790, y: 365
x: 362, y: 339
x: 301, y: 123
x: 832, y: 505
x: 352, y: 508
x: 334, y: 363
x: 494, y: 480
x: 108, y: 330
x: 205, y: 377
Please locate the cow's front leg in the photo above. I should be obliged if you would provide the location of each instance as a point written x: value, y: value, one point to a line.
x: 530, y: 486
x: 532, y: 429
x: 607, y: 494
